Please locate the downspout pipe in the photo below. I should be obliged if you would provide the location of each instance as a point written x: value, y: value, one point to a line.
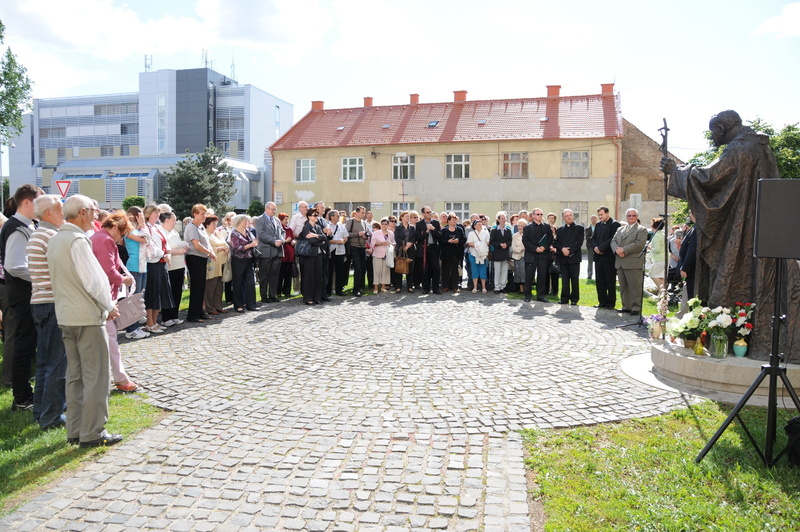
x: 618, y: 188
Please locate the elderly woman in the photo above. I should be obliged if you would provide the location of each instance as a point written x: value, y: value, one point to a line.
x: 405, y: 236
x: 658, y: 249
x: 157, y: 294
x: 136, y: 246
x: 200, y: 251
x: 553, y: 271
x: 177, y: 267
x: 287, y: 262
x: 518, y: 254
x: 453, y: 240
x: 478, y: 244
x: 104, y: 246
x: 214, y: 273
x: 379, y: 242
x: 337, y: 276
x: 500, y: 240
x: 242, y: 244
x: 312, y: 279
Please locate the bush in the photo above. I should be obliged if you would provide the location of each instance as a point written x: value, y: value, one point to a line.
x: 256, y: 208
x: 131, y: 201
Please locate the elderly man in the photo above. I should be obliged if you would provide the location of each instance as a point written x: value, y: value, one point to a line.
x: 537, y: 237
x: 569, y: 241
x: 605, y: 281
x: 589, y: 250
x: 83, y: 304
x: 14, y: 255
x: 271, y: 236
x: 49, y: 400
x: 627, y: 246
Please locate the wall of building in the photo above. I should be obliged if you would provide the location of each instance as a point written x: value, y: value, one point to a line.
x: 485, y: 191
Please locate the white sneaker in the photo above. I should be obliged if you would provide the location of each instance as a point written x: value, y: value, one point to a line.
x: 168, y: 323
x: 137, y: 334
x: 154, y: 329
x: 143, y: 321
x: 177, y: 321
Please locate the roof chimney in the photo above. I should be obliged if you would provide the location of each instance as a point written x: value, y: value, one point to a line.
x: 317, y: 105
x: 553, y: 91
x: 414, y: 99
x: 608, y: 89
x: 460, y: 96
x: 367, y: 101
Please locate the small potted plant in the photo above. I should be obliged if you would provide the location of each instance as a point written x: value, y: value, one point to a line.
x: 742, y: 327
x: 717, y: 327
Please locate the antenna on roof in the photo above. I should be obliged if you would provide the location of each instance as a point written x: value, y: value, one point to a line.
x: 233, y: 68
x: 206, y: 62
x: 148, y: 63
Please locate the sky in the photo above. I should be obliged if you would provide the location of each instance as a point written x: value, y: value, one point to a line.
x: 683, y: 60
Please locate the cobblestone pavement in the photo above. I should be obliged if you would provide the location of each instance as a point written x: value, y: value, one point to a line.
x: 380, y: 413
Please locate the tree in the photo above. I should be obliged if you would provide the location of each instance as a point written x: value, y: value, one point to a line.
x: 132, y: 201
x: 200, y: 178
x: 256, y: 208
x: 15, y: 93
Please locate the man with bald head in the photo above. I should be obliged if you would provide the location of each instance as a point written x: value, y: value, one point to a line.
x: 270, y: 235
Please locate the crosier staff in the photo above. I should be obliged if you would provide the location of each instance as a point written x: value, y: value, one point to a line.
x: 665, y: 150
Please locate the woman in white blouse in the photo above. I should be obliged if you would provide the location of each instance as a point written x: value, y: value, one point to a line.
x: 337, y: 255
x: 478, y: 244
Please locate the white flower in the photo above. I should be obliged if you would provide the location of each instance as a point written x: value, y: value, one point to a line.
x: 717, y: 310
x: 712, y: 324
x: 693, y: 323
x: 724, y: 320
x: 741, y: 321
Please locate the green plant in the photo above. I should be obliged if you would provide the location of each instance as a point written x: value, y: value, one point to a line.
x: 256, y: 208
x: 131, y: 201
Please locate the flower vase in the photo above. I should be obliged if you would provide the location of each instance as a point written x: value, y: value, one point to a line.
x: 655, y: 331
x: 689, y: 344
x: 698, y: 348
x: 719, y: 345
x: 739, y: 350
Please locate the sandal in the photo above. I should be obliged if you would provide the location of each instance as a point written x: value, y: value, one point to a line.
x: 410, y: 290
x: 127, y: 386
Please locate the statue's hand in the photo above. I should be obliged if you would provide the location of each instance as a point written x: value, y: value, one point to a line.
x: 667, y: 165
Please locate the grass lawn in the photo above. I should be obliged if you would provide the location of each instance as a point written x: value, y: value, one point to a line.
x: 640, y: 475
x: 30, y: 458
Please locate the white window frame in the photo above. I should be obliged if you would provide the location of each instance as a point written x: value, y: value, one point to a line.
x: 305, y: 170
x: 515, y: 165
x: 400, y: 206
x: 106, y: 150
x: 403, y: 167
x: 352, y: 169
x: 460, y: 208
x: 457, y: 166
x: 513, y: 207
x: 575, y: 164
x: 579, y: 208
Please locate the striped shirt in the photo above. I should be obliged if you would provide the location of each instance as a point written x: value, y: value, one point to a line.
x: 42, y: 288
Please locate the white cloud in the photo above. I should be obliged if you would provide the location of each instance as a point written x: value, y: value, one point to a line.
x: 787, y: 24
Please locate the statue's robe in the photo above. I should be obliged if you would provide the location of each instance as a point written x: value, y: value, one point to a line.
x: 722, y: 196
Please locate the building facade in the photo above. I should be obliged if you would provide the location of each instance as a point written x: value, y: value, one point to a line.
x: 463, y: 156
x: 111, y: 146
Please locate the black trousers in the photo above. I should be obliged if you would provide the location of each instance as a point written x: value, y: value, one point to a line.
x: 432, y: 270
x: 450, y: 278
x: 197, y: 285
x: 244, y: 283
x: 269, y: 272
x: 24, y: 354
x: 359, y: 259
x: 606, y: 283
x: 285, y: 279
x: 337, y: 275
x: 570, y: 291
x: 176, y: 286
x: 312, y: 280
x: 539, y: 270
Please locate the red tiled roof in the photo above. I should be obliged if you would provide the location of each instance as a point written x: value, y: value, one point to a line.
x: 593, y: 116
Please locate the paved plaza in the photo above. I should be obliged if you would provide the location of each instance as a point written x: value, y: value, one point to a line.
x: 389, y: 412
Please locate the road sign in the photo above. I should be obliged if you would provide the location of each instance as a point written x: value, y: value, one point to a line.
x: 63, y: 187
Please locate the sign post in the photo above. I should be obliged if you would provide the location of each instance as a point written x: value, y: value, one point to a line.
x: 63, y: 187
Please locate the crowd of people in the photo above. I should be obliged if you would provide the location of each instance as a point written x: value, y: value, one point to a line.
x: 66, y: 266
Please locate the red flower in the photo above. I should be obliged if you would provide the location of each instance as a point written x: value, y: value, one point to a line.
x: 748, y: 325
x: 739, y: 304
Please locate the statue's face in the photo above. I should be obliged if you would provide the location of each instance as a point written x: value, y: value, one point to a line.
x: 719, y: 135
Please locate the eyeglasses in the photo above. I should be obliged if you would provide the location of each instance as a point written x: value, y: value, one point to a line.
x: 384, y: 223
x: 538, y: 214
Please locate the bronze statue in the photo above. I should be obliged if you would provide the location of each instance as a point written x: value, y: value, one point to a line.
x: 722, y: 196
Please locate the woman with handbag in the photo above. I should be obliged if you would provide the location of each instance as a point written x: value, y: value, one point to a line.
x: 215, y: 270
x: 553, y: 270
x: 478, y: 244
x: 500, y: 242
x: 288, y: 265
x: 405, y: 236
x: 337, y: 276
x: 136, y: 246
x: 104, y: 247
x: 453, y: 240
x: 242, y: 248
x: 157, y: 294
x: 380, y: 240
x: 176, y: 270
x: 518, y: 255
x: 309, y: 248
x: 200, y: 252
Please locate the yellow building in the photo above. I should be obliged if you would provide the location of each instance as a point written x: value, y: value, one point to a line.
x: 462, y: 156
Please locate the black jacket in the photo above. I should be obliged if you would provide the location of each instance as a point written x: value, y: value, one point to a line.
x: 603, y: 233
x: 570, y: 237
x: 496, y: 238
x: 534, y: 236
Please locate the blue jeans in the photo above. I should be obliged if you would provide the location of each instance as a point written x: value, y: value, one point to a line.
x: 49, y: 399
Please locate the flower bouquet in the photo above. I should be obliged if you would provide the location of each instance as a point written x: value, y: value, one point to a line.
x: 742, y: 326
x: 690, y: 325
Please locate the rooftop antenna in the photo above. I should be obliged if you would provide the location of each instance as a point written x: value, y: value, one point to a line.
x: 233, y: 68
x: 148, y: 63
x: 205, y: 57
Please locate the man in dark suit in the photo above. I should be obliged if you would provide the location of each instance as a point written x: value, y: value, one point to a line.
x: 589, y: 250
x: 429, y: 236
x: 270, y: 235
x: 537, y: 237
x: 605, y: 271
x: 569, y: 240
x: 686, y: 259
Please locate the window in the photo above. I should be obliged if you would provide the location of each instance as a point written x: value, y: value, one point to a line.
x: 62, y: 155
x: 349, y: 206
x: 230, y: 123
x: 115, y: 191
x: 460, y: 208
x: 129, y: 129
x: 579, y: 208
x: 457, y: 166
x: 403, y: 167
x: 125, y: 149
x: 513, y: 207
x: 352, y: 169
x: 515, y: 165
x: 400, y: 206
x: 305, y: 170
x: 575, y: 164
x: 224, y: 146
x: 106, y: 151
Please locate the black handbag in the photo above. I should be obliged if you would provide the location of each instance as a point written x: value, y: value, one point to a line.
x: 304, y: 248
x: 554, y: 268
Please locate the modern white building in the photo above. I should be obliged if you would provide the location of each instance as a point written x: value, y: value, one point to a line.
x: 110, y: 146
